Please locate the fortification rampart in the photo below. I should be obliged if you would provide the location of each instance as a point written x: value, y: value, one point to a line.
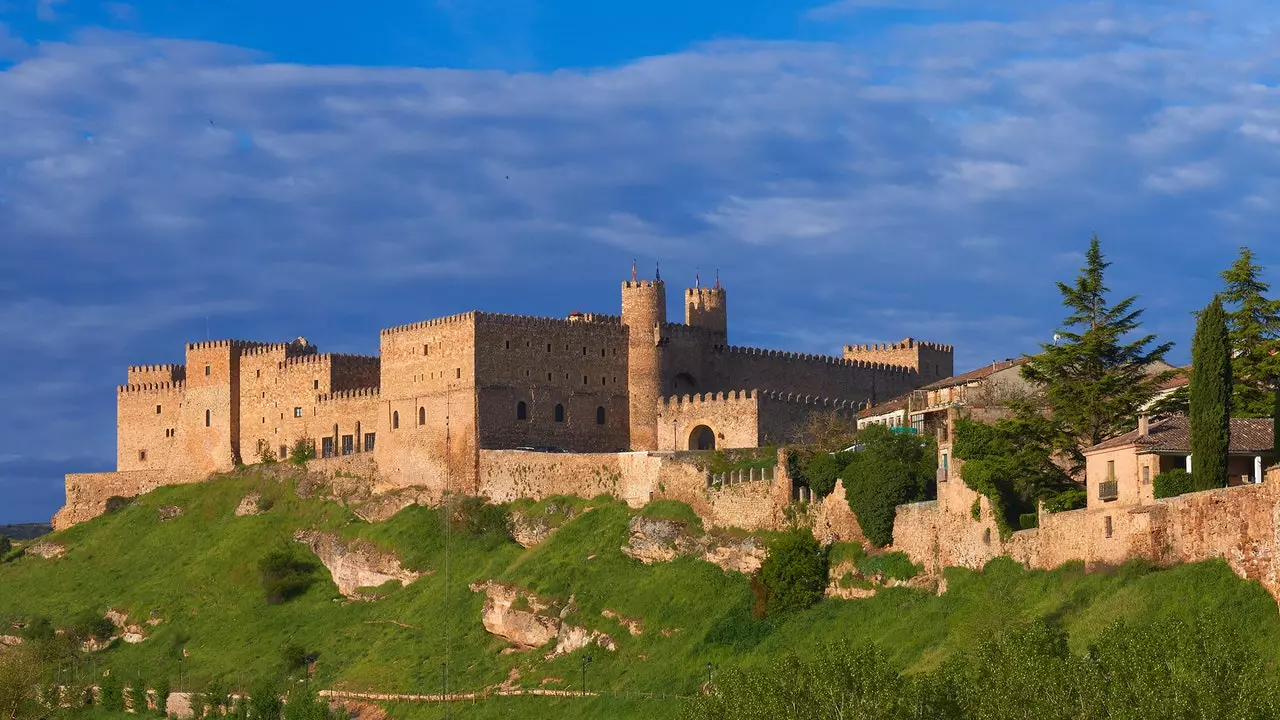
x: 459, y: 318
x: 88, y: 493
x: 149, y: 374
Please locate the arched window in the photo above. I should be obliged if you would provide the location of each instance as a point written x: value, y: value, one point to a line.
x: 600, y: 415
x: 422, y: 416
x: 559, y: 413
x: 395, y: 420
x: 522, y: 411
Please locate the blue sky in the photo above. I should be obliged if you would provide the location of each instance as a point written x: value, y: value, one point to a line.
x: 858, y: 171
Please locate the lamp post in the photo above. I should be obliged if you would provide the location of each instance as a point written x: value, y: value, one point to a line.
x: 585, y: 661
x: 710, y: 667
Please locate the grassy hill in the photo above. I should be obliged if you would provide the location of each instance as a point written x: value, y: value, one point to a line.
x: 198, y: 573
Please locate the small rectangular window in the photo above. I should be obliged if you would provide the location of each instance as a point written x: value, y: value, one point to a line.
x: 1111, y: 469
x: 157, y: 409
x: 368, y: 442
x: 508, y: 344
x: 459, y: 373
x: 584, y: 379
x: 584, y: 349
x: 257, y: 373
x: 207, y: 417
x: 206, y: 370
x: 426, y: 349
x: 348, y: 444
x: 548, y: 347
x: 284, y: 451
x: 315, y: 384
x: 1106, y: 524
x: 326, y: 445
x: 1146, y: 474
x: 297, y: 412
x: 548, y: 376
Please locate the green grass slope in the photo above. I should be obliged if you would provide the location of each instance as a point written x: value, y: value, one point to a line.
x: 198, y: 573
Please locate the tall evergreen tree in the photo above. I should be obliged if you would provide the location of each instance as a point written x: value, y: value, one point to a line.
x: 1253, y: 321
x: 1210, y: 398
x: 1096, y: 379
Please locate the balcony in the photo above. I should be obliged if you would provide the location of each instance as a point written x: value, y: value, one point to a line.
x: 1108, y: 490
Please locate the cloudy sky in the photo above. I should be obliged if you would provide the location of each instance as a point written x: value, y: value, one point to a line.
x: 858, y: 171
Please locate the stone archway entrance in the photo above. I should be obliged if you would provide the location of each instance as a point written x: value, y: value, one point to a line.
x: 702, y: 438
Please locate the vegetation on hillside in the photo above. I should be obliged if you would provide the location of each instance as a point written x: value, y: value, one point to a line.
x: 1253, y: 322
x: 198, y: 576
x: 891, y: 469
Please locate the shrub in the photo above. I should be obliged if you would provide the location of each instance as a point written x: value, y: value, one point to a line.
x: 1026, y: 521
x: 1072, y: 499
x: 890, y: 470
x: 1172, y: 483
x: 111, y: 693
x: 162, y: 698
x: 266, y: 454
x: 477, y: 518
x: 294, y: 657
x: 136, y: 697
x: 286, y: 573
x: 5, y: 546
x: 116, y: 503
x: 91, y: 625
x: 794, y: 572
x: 302, y: 451
x: 894, y: 565
x: 198, y: 705
x: 823, y: 470
x: 264, y: 701
x: 304, y: 703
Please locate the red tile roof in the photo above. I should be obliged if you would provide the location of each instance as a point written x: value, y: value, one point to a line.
x: 888, y: 406
x: 976, y: 374
x: 1172, y: 435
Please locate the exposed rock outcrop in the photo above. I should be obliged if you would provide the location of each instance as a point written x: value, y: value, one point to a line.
x: 45, y: 549
x: 169, y: 512
x: 531, y: 529
x: 355, y: 564
x: 383, y: 507
x: 250, y: 505
x: 653, y: 540
x: 528, y: 622
x: 633, y: 625
x: 132, y: 633
x: 10, y: 640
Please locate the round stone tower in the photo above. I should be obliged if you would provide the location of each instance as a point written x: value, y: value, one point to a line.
x: 705, y: 308
x: 644, y: 308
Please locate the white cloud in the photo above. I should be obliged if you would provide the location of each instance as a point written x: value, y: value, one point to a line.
x: 1182, y: 178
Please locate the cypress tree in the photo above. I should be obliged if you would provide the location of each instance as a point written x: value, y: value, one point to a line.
x: 1100, y: 375
x: 1210, y: 398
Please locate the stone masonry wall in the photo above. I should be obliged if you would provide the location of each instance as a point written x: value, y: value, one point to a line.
x: 1238, y: 524
x: 932, y: 361
x: 734, y: 418
x: 87, y: 493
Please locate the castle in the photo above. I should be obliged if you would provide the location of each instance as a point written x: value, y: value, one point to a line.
x: 443, y: 391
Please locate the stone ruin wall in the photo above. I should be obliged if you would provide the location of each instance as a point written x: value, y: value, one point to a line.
x: 1238, y: 524
x: 87, y: 493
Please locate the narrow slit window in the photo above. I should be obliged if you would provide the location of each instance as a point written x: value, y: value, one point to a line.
x: 395, y: 420
x: 422, y: 416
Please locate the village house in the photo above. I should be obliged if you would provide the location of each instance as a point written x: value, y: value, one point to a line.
x: 1120, y: 471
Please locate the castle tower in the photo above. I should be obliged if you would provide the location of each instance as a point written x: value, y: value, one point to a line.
x: 705, y: 308
x: 932, y: 361
x: 644, y: 308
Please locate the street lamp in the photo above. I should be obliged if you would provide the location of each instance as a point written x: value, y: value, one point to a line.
x: 585, y: 661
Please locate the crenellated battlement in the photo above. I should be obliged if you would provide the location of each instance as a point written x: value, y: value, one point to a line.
x: 156, y: 387
x: 705, y: 292
x: 906, y: 344
x: 904, y: 370
x: 328, y: 359
x: 164, y: 368
x: 669, y: 332
x: 611, y: 323
x: 353, y: 394
x: 216, y: 344
x: 434, y: 322
x: 638, y: 284
x: 756, y: 395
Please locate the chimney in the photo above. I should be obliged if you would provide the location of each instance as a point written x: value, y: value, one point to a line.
x: 1142, y: 425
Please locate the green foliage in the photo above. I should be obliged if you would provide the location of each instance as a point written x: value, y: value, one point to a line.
x: 1011, y: 464
x: 264, y: 701
x: 90, y: 625
x: 1069, y: 499
x: 198, y: 705
x: 894, y: 565
x: 1172, y: 483
x: 478, y: 519
x: 1026, y: 521
x: 162, y: 697
x: 5, y: 546
x: 303, y: 449
x: 304, y: 703
x: 794, y: 572
x: 841, y: 552
x: 890, y: 470
x: 672, y: 510
x: 265, y: 453
x: 723, y: 461
x: 286, y: 572
x: 1253, y: 323
x: 1096, y: 378
x: 1175, y: 669
x: 136, y: 697
x: 116, y: 503
x: 823, y: 470
x: 1210, y: 396
x: 111, y: 693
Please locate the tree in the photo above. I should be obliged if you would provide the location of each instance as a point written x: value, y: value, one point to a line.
x: 111, y: 693
x: 1098, y: 377
x: 889, y: 470
x: 794, y: 572
x: 1275, y: 418
x: 19, y: 672
x: 1210, y: 396
x: 5, y: 546
x: 264, y: 702
x: 304, y: 703
x: 1254, y: 326
x: 1011, y: 463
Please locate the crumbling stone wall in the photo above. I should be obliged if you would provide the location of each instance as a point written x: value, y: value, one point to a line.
x: 87, y: 493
